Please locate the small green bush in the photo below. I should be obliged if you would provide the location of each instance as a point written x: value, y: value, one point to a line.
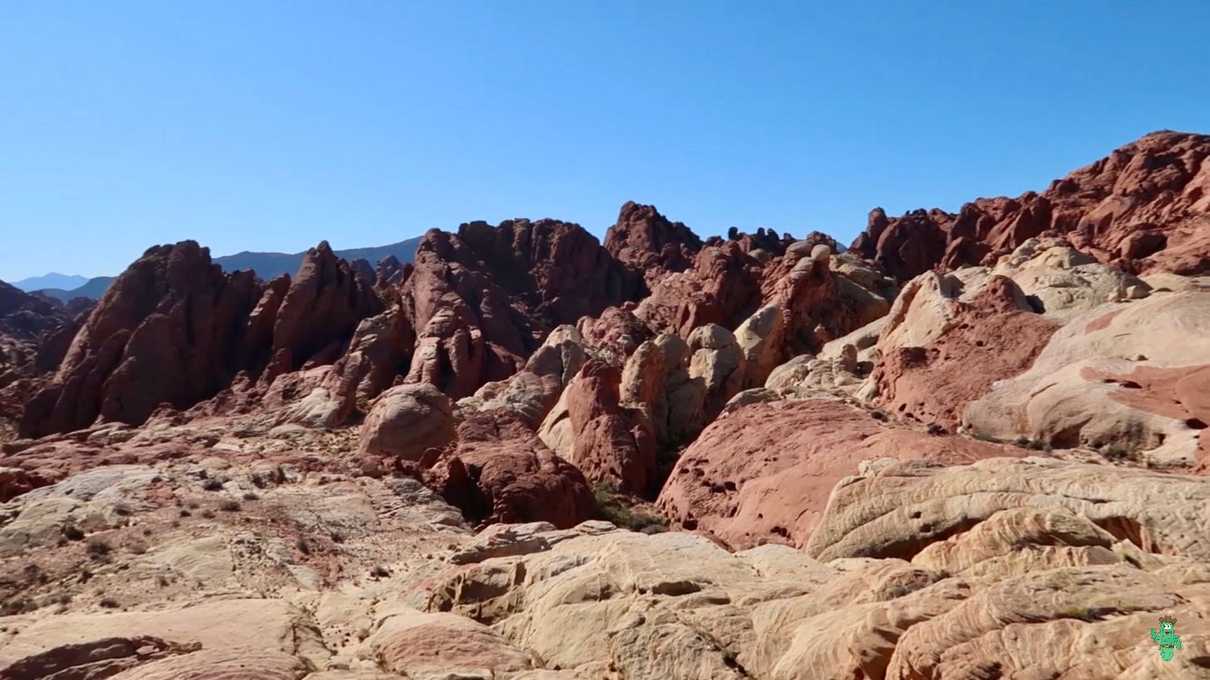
x: 612, y: 507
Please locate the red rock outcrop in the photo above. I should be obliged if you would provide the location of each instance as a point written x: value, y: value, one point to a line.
x: 162, y: 333
x: 320, y: 310
x: 906, y: 246
x: 1145, y: 208
x: 615, y: 334
x: 807, y: 305
x: 648, y: 242
x: 993, y: 336
x: 764, y: 472
x: 174, y: 329
x: 556, y: 271
x: 611, y: 443
x: 723, y: 287
x: 35, y: 333
x: 499, y: 471
x: 483, y: 299
x: 765, y: 242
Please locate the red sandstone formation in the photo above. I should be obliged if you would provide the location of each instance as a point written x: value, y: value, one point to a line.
x: 993, y: 336
x: 723, y: 287
x: 763, y: 473
x: 648, y: 242
x: 1143, y: 208
x: 499, y: 471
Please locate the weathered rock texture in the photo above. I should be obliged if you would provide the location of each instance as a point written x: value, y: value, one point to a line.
x: 1128, y: 378
x: 649, y: 243
x: 1143, y: 208
x: 763, y: 472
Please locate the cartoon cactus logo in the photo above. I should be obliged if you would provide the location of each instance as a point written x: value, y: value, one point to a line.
x: 1167, y: 638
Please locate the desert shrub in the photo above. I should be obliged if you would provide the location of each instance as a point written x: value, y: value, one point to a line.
x: 229, y: 505
x: 98, y: 547
x: 612, y: 507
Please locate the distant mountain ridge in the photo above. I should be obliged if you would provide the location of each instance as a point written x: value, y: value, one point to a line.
x: 92, y: 289
x: 51, y: 280
x: 267, y: 265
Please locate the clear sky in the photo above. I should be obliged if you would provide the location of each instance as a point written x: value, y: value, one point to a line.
x: 273, y: 125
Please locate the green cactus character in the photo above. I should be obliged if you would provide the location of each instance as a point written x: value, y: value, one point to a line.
x: 1167, y: 638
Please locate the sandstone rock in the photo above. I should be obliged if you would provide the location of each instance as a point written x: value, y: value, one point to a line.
x: 435, y: 646
x: 1124, y: 377
x: 611, y: 443
x: 763, y: 472
x: 1064, y: 281
x: 718, y: 362
x: 379, y: 351
x: 806, y: 376
x: 723, y: 287
x: 1143, y: 207
x: 484, y: 298
x: 620, y: 605
x: 614, y: 335
x: 407, y: 420
x: 900, y: 509
x: 656, y: 382
x: 162, y: 333
x: 906, y: 246
x: 992, y: 337
x: 322, y: 308
x: 1054, y: 548
x: 646, y: 241
x: 255, y: 627
x: 533, y: 391
x: 501, y: 472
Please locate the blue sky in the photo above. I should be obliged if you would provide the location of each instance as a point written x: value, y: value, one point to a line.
x: 271, y: 126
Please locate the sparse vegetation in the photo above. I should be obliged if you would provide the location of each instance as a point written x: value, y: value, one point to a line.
x: 98, y: 547
x: 1118, y: 453
x: 614, y: 508
x: 212, y: 484
x: 109, y: 603
x: 229, y: 505
x: 72, y: 533
x: 1033, y: 444
x: 250, y: 496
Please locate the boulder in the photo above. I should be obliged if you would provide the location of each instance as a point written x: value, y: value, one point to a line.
x: 614, y: 335
x: 590, y: 428
x: 499, y: 471
x: 718, y: 362
x: 656, y: 382
x: 406, y: 421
